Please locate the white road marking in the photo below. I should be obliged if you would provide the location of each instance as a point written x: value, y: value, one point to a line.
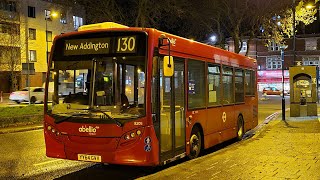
x: 191, y: 175
x: 47, y: 162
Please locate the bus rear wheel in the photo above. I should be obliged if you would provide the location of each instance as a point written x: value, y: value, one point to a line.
x: 240, y: 131
x: 195, y: 143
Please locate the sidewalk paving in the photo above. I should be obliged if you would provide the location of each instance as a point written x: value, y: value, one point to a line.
x: 281, y: 150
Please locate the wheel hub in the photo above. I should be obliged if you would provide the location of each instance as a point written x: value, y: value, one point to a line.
x: 194, y: 143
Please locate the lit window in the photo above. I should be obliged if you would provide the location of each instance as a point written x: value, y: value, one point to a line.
x: 311, y: 61
x: 214, y: 84
x: 244, y: 46
x: 63, y: 18
x: 274, y: 62
x: 32, y: 56
x: 32, y: 34
x: 311, y: 44
x: 226, y: 47
x: 227, y: 84
x: 77, y: 22
x: 274, y: 46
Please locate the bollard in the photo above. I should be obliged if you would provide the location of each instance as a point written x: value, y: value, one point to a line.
x: 1, y: 99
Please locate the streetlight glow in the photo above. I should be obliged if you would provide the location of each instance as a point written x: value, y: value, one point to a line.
x: 310, y: 6
x: 54, y: 14
x: 213, y: 38
x: 279, y: 23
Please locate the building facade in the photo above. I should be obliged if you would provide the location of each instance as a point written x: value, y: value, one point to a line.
x: 268, y: 56
x: 27, y: 29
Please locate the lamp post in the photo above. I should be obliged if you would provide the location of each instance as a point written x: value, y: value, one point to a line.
x: 48, y: 16
x: 294, y: 30
x: 282, y: 48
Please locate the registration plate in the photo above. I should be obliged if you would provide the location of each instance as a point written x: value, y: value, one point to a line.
x: 87, y: 157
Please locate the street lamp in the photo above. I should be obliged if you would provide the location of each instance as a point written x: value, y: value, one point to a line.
x: 294, y: 30
x: 48, y: 16
x: 282, y: 48
x: 213, y: 38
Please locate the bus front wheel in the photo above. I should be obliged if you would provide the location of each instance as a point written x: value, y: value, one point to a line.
x: 195, y: 143
x: 240, y: 131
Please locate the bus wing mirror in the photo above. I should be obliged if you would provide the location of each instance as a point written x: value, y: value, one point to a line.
x: 168, y: 66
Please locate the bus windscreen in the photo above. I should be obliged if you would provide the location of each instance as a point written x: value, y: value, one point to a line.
x: 98, y: 79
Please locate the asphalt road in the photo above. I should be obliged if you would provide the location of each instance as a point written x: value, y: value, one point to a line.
x: 22, y: 155
x: 270, y: 104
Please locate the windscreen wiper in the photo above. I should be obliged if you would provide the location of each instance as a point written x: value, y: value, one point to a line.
x: 107, y: 115
x: 57, y: 121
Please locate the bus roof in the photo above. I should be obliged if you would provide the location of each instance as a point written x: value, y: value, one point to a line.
x: 187, y: 46
x: 104, y: 25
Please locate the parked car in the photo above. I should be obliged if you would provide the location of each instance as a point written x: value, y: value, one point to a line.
x: 36, y: 95
x: 273, y: 91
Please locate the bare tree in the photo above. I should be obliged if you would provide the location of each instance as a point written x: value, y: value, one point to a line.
x: 237, y: 19
x: 10, y: 46
x: 107, y: 10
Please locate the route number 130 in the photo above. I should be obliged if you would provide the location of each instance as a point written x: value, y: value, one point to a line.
x: 126, y: 44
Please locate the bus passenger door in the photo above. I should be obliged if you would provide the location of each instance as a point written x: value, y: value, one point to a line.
x: 172, y: 112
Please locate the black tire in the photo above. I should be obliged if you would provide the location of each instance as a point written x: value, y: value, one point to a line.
x: 240, y: 129
x: 195, y: 143
x: 18, y: 102
x: 33, y: 100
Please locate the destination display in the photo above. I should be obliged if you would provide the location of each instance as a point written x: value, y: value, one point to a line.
x: 87, y: 46
x: 124, y: 44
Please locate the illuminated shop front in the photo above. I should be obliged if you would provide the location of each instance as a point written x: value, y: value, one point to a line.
x: 273, y: 79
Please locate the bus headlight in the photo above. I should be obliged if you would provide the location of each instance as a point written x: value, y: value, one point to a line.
x: 126, y: 137
x: 132, y: 134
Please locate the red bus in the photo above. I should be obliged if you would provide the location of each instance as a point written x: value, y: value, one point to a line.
x: 139, y: 96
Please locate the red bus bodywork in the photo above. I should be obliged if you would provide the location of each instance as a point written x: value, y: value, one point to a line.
x: 108, y: 140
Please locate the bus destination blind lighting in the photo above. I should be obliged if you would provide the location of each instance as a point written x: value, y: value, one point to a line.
x: 86, y: 46
x: 100, y: 46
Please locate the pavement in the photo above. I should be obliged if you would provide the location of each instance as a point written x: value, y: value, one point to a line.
x: 288, y: 149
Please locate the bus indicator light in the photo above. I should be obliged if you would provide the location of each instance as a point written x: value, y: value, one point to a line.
x: 138, y: 132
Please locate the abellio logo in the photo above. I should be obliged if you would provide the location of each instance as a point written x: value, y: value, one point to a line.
x: 89, y: 129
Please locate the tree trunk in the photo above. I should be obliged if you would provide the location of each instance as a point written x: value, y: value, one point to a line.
x: 141, y: 16
x: 236, y: 39
x: 248, y: 42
